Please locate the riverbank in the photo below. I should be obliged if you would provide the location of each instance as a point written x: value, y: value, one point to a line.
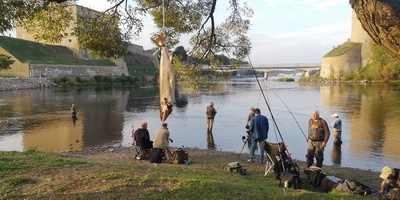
x: 24, y: 83
x: 113, y: 173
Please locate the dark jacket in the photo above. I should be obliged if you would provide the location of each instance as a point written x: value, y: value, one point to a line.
x: 142, y: 138
x: 259, y: 127
x: 211, y: 112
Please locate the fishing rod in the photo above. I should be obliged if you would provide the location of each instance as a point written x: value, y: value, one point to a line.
x: 223, y: 97
x: 291, y: 114
x: 319, y: 110
x: 265, y: 99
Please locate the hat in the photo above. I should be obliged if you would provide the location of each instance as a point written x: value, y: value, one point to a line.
x: 386, y: 171
x: 335, y: 115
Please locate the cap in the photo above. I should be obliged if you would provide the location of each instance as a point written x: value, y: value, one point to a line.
x: 335, y: 115
x: 386, y: 171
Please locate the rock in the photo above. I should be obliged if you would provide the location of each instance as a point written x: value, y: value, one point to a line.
x: 381, y: 21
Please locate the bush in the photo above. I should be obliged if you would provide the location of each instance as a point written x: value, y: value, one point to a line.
x: 99, y: 79
x: 64, y: 79
x: 79, y: 80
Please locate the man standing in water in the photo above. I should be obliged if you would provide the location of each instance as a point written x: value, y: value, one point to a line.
x: 337, y: 129
x: 258, y: 133
x: 73, y: 113
x: 210, y: 112
x: 318, y: 135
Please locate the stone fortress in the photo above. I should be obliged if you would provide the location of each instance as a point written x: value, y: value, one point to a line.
x: 357, y: 55
x: 35, y: 70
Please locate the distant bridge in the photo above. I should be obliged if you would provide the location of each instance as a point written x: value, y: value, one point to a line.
x: 306, y: 67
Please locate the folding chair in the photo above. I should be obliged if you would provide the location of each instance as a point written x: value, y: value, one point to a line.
x: 272, y: 151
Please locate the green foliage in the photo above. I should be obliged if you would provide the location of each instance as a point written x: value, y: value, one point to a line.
x: 382, y: 68
x: 48, y: 23
x: 5, y: 62
x: 315, y: 78
x: 189, y: 77
x: 342, y: 49
x: 101, y: 35
x: 64, y: 79
x: 99, y: 79
x: 284, y: 80
x: 181, y: 53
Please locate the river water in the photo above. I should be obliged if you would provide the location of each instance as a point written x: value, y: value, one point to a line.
x: 40, y: 119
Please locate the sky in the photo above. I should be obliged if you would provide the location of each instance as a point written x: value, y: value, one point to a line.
x: 282, y: 31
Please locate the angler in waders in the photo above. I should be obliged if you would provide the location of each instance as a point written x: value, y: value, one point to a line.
x: 210, y: 112
x: 318, y: 135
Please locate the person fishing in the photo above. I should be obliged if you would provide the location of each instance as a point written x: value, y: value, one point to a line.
x: 318, y: 136
x: 210, y: 112
x: 336, y: 126
x: 73, y: 113
x: 249, y: 117
x: 259, y: 127
x: 390, y: 186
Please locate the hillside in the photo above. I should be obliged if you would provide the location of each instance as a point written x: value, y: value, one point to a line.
x: 342, y: 49
x: 34, y: 52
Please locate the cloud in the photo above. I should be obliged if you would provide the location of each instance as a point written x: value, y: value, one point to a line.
x: 314, y: 31
x: 324, y: 4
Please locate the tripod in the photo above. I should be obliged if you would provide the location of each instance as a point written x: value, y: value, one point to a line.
x: 245, y: 140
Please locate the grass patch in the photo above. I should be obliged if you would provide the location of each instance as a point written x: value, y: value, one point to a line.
x: 34, y: 52
x: 15, y: 181
x: 342, y: 49
x: 117, y: 175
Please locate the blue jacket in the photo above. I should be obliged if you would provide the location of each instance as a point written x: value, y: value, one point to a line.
x: 259, y: 127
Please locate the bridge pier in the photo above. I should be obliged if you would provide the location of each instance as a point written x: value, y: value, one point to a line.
x: 265, y: 75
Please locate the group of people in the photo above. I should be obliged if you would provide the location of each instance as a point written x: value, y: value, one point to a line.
x: 318, y: 135
x: 141, y: 138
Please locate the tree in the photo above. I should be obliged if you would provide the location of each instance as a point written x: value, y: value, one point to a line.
x: 195, y: 17
x: 5, y: 61
x: 381, y: 20
x: 181, y: 52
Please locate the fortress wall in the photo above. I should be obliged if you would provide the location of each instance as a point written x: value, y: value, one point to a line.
x: 359, y: 35
x: 354, y: 59
x: 56, y: 71
x: 18, y: 69
x: 339, y: 65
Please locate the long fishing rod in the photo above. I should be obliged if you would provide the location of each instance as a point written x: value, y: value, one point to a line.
x: 223, y: 97
x: 291, y: 114
x: 319, y: 110
x: 265, y: 99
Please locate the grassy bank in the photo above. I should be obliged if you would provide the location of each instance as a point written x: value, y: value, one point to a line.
x: 34, y: 52
x: 112, y: 173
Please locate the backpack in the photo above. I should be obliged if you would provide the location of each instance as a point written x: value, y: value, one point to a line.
x: 352, y: 186
x: 314, y: 176
x: 328, y: 183
x: 180, y: 157
x: 156, y: 155
x: 289, y: 180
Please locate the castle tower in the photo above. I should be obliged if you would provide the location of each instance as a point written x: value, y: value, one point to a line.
x: 350, y: 56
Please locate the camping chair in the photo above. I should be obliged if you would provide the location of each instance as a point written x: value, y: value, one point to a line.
x: 272, y: 150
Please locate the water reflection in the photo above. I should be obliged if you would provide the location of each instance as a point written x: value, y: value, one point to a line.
x: 337, y: 154
x: 41, y: 119
x: 210, y: 140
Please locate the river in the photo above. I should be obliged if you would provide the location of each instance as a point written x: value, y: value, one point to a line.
x: 40, y: 119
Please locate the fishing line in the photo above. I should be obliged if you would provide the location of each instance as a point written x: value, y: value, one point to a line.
x: 265, y: 99
x: 291, y: 114
x: 223, y: 97
x: 319, y: 110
